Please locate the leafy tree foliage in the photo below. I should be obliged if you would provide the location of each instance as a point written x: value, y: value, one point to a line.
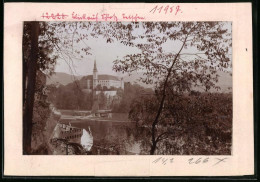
x: 206, y: 43
x: 198, y: 50
x: 36, y: 58
x: 189, y: 124
x: 130, y: 92
x: 73, y: 97
x: 70, y: 97
x: 39, y: 41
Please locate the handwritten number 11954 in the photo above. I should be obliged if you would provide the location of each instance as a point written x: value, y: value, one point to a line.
x: 166, y: 9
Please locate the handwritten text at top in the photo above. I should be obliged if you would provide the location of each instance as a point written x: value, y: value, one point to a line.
x: 167, y: 9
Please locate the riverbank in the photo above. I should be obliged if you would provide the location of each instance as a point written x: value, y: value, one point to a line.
x: 115, y: 117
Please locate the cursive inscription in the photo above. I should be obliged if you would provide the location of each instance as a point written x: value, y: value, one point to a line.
x: 54, y: 16
x: 93, y: 17
x: 166, y: 9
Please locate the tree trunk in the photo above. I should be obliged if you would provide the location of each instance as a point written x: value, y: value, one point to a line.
x: 29, y: 98
x: 153, y: 148
x: 24, y: 70
x: 156, y: 120
x: 24, y: 79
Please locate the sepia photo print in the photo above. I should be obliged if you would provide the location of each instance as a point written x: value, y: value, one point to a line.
x: 127, y: 88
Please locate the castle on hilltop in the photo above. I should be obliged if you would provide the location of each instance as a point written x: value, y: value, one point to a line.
x: 92, y: 82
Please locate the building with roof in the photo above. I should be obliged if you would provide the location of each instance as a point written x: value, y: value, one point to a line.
x: 104, y: 81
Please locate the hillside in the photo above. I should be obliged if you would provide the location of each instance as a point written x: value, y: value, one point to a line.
x: 225, y: 80
x: 61, y: 78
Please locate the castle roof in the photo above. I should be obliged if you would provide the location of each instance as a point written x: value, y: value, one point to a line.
x: 102, y: 77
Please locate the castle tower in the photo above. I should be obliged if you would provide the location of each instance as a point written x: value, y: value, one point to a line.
x: 95, y: 106
x: 95, y: 76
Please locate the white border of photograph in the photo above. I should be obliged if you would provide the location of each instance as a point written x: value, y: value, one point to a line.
x: 241, y: 162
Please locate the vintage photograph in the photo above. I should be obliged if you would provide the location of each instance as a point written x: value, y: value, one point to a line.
x: 127, y: 88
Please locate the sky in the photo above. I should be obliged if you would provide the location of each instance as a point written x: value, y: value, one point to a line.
x: 104, y: 54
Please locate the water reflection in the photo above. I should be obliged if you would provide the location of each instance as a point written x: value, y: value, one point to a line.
x: 110, y: 137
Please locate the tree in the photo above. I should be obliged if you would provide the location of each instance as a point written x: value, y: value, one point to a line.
x: 105, y: 88
x: 127, y: 96
x: 43, y: 43
x: 102, y: 99
x: 189, y: 124
x: 37, y: 57
x: 30, y: 88
x: 208, y: 44
x: 98, y: 87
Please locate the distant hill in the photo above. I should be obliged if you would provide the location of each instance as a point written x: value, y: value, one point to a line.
x: 61, y: 78
x: 134, y: 78
x: 225, y: 80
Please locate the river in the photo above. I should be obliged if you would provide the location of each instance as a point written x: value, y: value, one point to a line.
x: 111, y: 136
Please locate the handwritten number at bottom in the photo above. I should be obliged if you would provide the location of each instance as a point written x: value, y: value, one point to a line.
x: 199, y: 160
x: 192, y: 161
x: 163, y: 160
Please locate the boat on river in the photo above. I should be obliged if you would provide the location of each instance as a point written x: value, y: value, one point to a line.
x: 72, y: 134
